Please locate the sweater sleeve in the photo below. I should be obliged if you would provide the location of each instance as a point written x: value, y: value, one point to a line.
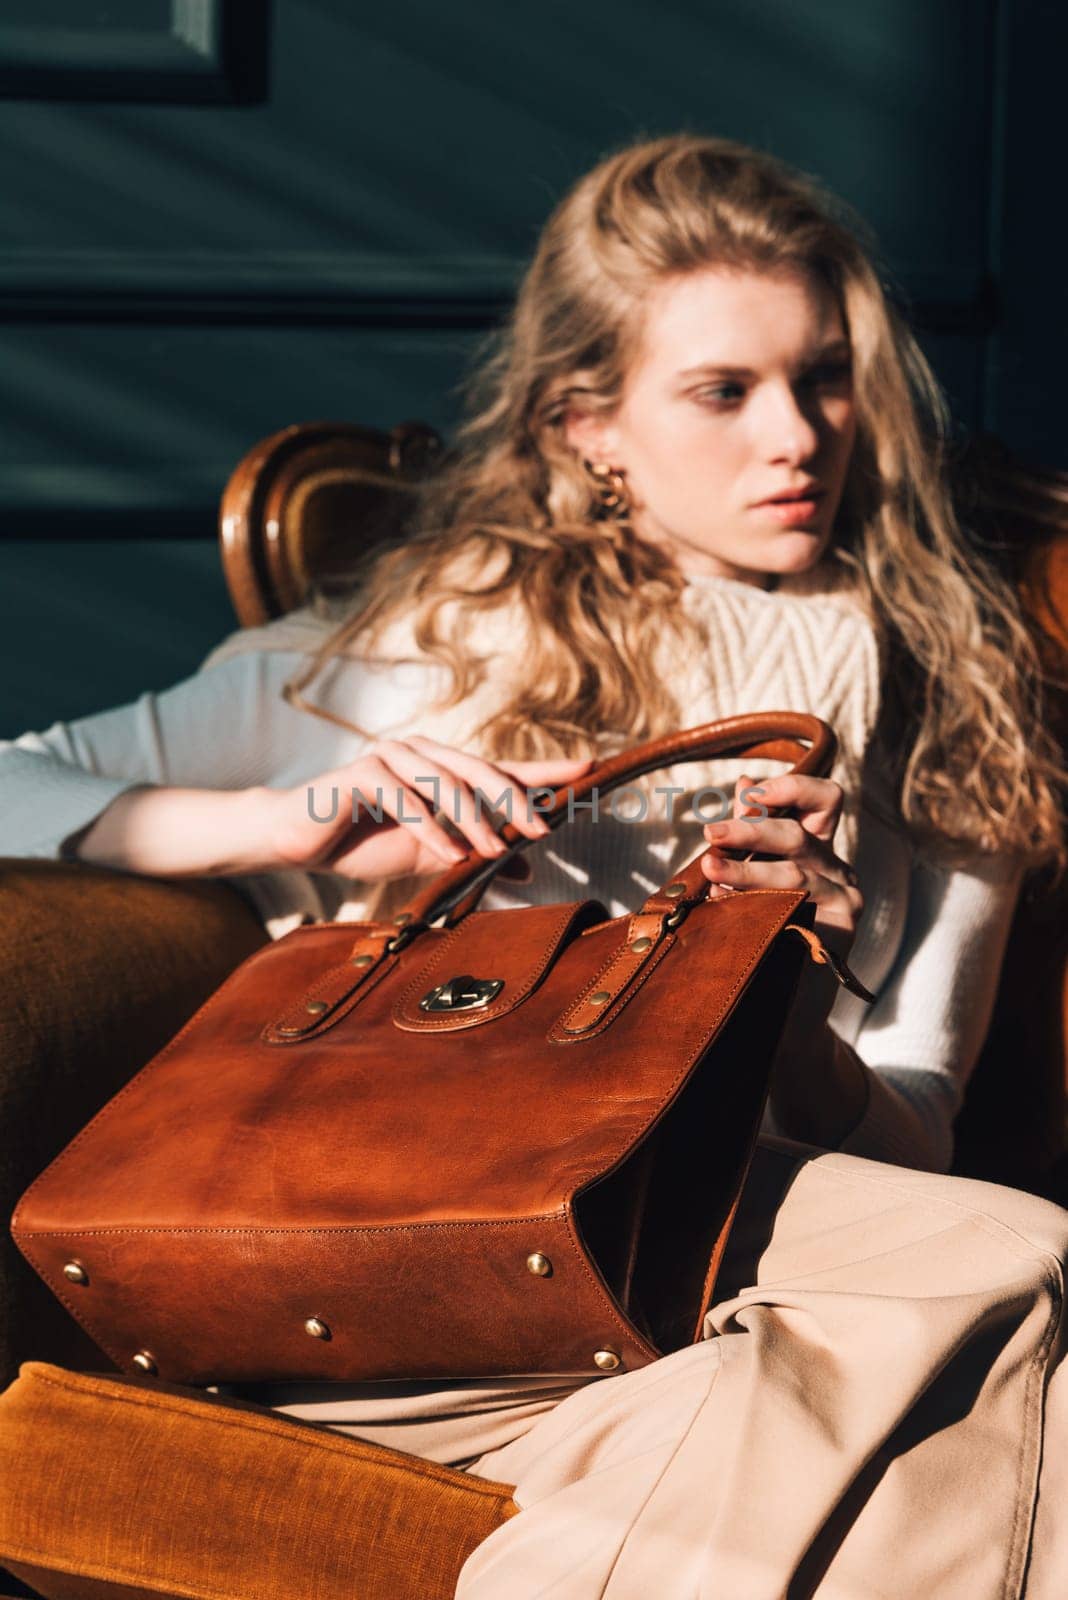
x: 921, y: 1039
x: 209, y: 731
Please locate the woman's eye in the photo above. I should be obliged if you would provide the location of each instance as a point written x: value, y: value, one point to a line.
x: 828, y: 375
x: 719, y: 394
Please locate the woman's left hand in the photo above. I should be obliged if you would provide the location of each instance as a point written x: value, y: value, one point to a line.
x: 819, y: 1087
x: 800, y: 846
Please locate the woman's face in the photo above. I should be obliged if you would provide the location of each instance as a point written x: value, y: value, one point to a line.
x: 741, y: 393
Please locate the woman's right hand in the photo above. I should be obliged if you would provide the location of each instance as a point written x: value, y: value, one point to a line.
x: 408, y: 780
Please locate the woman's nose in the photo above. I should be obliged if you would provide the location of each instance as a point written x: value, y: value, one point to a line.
x: 788, y: 434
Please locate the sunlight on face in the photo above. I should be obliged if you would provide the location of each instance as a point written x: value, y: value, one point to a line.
x: 742, y: 391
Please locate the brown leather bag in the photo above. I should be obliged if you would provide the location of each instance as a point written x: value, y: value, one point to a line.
x: 509, y: 1144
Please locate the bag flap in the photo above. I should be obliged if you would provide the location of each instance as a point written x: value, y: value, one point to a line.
x: 488, y: 964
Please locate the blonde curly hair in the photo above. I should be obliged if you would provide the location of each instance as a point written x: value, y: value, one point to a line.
x: 512, y: 515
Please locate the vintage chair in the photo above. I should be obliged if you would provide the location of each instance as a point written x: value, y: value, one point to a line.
x: 101, y: 968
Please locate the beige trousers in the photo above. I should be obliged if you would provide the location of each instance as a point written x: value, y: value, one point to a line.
x: 877, y: 1413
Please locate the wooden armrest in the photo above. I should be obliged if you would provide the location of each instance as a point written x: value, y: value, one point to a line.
x: 98, y: 969
x: 304, y: 503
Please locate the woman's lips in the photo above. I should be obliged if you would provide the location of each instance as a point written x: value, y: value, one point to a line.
x: 791, y: 513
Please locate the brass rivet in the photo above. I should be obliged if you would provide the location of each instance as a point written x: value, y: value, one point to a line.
x: 673, y: 890
x: 401, y: 918
x: 146, y: 1361
x: 638, y: 945
x: 607, y: 1360
x: 362, y: 961
x: 600, y: 997
x: 75, y: 1272
x: 316, y: 1328
x: 315, y: 1007
x: 539, y: 1265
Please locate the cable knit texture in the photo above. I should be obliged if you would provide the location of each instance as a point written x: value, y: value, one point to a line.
x: 930, y: 941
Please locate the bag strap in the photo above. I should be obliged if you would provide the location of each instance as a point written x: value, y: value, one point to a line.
x: 795, y: 736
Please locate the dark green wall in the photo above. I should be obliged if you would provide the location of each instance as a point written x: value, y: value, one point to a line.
x: 313, y: 211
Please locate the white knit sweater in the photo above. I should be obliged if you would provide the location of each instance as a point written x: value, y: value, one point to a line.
x: 930, y: 941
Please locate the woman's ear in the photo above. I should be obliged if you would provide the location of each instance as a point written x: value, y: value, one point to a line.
x: 591, y: 437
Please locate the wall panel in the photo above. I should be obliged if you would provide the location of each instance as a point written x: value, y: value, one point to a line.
x: 178, y: 278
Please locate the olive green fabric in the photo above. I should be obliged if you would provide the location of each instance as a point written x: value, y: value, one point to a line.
x: 128, y: 1487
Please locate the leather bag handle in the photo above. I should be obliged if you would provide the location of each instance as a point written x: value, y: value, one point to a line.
x: 789, y: 736
x: 796, y: 736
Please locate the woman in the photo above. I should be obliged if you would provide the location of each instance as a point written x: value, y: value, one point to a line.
x: 703, y: 476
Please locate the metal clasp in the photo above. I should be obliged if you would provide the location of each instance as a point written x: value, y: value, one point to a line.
x: 462, y: 994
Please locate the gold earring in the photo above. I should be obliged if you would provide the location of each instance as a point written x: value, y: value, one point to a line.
x: 611, y: 489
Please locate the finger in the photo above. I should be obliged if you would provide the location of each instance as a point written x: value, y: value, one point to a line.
x: 547, y: 769
x: 748, y: 806
x: 836, y: 905
x: 817, y: 802
x: 782, y: 836
x: 455, y: 798
x: 563, y: 766
x: 775, y: 836
x: 755, y: 874
x: 385, y: 791
x: 495, y: 785
x: 394, y: 856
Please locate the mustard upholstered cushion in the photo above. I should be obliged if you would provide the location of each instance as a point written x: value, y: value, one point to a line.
x: 115, y: 1488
